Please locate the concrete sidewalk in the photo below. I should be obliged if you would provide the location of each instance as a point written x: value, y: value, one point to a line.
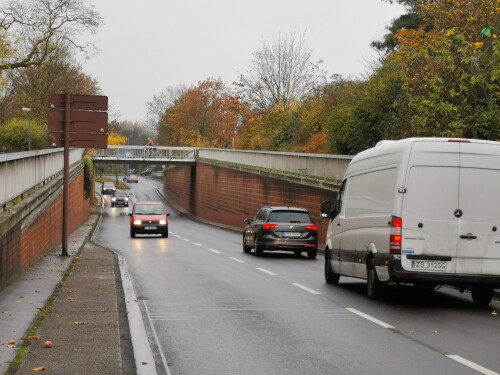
x: 72, y: 302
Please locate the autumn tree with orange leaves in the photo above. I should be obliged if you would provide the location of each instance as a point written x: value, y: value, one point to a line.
x: 207, y: 115
x: 451, y: 69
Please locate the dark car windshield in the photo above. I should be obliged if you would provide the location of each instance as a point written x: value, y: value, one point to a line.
x: 289, y: 217
x: 149, y: 209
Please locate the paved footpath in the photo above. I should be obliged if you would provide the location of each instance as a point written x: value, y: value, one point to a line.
x: 70, y: 301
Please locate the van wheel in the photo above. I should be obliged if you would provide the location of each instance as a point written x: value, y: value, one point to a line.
x: 481, y: 295
x: 246, y: 249
x: 330, y: 276
x: 258, y: 249
x: 373, y: 286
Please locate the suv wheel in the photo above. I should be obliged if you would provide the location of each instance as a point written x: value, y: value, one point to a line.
x: 312, y: 254
x: 258, y: 249
x: 246, y: 249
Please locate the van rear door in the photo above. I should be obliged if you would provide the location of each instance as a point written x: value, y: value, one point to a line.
x: 478, y: 250
x: 430, y: 227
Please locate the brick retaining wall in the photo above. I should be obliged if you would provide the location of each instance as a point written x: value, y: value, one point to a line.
x: 227, y: 196
x: 32, y: 236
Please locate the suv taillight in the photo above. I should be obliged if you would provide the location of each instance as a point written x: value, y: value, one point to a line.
x: 269, y: 226
x: 396, y: 235
x: 312, y: 227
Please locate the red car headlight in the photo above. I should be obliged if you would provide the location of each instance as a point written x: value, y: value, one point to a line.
x: 163, y: 222
x: 137, y: 222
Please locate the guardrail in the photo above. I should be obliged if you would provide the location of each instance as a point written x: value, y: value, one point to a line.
x: 21, y: 172
x: 326, y: 166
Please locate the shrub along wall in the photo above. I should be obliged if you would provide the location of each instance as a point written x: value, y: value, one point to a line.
x: 227, y: 196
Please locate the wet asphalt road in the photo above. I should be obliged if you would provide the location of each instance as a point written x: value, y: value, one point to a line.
x: 209, y: 308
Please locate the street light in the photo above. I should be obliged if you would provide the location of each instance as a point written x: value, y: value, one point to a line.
x: 24, y: 109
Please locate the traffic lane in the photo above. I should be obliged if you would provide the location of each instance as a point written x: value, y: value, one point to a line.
x: 289, y: 267
x: 434, y: 319
x: 215, y: 315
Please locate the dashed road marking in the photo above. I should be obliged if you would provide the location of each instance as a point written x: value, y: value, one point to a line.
x: 370, y: 318
x: 266, y: 271
x: 197, y: 244
x: 472, y: 365
x: 214, y: 251
x: 237, y: 260
x: 187, y: 240
x: 305, y: 288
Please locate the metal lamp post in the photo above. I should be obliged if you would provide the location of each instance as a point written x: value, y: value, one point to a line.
x: 24, y: 109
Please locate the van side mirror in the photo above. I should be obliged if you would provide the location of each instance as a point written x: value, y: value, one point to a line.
x: 326, y: 210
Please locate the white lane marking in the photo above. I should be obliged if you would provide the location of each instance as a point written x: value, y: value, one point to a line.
x: 185, y: 239
x: 236, y: 260
x: 472, y: 365
x: 305, y: 288
x: 177, y: 236
x: 156, y: 338
x: 266, y: 271
x: 370, y: 318
x: 214, y: 251
x: 197, y: 244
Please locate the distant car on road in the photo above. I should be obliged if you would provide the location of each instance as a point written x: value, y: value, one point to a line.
x: 281, y: 228
x: 147, y: 172
x: 108, y: 188
x: 148, y: 218
x: 131, y: 178
x: 120, y: 198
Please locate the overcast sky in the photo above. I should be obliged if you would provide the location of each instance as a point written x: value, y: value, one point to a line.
x: 146, y: 46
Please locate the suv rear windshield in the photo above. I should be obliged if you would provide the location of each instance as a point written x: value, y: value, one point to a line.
x: 289, y: 217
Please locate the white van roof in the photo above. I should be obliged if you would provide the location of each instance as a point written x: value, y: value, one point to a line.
x: 389, y: 152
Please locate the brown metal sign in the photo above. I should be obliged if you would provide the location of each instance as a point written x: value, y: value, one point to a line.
x: 81, y: 140
x: 80, y: 102
x: 80, y: 121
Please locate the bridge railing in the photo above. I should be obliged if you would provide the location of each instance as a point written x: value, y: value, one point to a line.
x: 20, y: 172
x: 146, y: 152
x: 325, y: 166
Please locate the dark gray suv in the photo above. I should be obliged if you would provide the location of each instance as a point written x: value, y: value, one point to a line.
x: 281, y: 228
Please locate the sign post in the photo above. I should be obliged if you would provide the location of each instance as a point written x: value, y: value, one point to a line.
x: 76, y: 121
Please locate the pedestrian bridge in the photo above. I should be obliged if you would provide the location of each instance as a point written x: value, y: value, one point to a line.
x: 146, y: 154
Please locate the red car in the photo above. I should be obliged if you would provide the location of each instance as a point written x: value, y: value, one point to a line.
x: 148, y: 218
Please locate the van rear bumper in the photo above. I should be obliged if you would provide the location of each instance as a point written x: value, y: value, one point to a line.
x: 400, y: 275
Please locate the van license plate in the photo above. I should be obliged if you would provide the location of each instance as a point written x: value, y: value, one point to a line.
x: 429, y: 265
x: 150, y: 228
x: 291, y: 234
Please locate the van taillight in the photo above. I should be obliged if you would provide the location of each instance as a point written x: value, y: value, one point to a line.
x: 396, y: 230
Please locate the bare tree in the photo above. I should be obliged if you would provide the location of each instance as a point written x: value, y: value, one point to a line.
x: 281, y: 73
x: 33, y: 29
x: 155, y: 109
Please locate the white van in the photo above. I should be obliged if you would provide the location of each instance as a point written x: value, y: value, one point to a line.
x: 424, y: 211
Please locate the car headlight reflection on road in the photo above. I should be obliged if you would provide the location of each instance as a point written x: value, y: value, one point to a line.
x: 137, y: 222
